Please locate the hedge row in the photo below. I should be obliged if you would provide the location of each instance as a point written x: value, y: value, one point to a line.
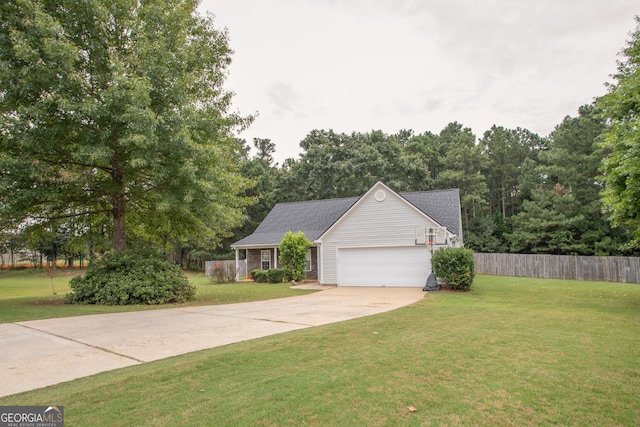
x: 275, y: 275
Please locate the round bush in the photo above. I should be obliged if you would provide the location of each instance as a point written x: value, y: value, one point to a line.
x: 259, y: 276
x: 124, y: 278
x: 455, y: 267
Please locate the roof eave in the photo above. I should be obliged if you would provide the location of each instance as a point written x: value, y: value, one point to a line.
x: 264, y: 245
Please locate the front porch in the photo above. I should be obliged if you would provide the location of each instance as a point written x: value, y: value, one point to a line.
x: 267, y: 258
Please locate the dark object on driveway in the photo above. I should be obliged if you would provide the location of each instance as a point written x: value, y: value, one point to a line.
x: 432, y: 283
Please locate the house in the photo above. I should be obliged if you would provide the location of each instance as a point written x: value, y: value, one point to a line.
x: 382, y: 238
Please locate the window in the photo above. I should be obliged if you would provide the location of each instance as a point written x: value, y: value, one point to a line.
x: 265, y: 259
x: 307, y: 264
x: 432, y: 236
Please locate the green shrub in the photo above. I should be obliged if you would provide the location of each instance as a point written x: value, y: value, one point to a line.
x: 298, y: 275
x: 293, y: 254
x: 123, y: 278
x: 275, y: 275
x: 223, y: 275
x: 455, y: 267
x: 260, y: 276
x: 278, y: 275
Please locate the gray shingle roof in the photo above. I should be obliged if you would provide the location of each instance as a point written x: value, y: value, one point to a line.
x: 314, y: 217
x: 443, y: 206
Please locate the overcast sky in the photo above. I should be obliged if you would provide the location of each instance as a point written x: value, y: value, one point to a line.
x: 362, y: 65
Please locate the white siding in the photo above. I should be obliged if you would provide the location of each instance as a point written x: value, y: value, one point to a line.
x: 371, y: 223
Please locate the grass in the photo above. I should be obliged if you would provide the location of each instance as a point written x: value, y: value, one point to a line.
x: 28, y: 295
x: 513, y: 352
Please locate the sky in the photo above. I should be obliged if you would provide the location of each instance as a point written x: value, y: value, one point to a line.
x: 363, y: 65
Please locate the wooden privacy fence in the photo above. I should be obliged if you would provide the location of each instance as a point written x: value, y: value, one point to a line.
x: 225, y: 268
x: 599, y: 268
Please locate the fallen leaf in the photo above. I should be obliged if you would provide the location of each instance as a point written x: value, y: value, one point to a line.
x: 411, y: 408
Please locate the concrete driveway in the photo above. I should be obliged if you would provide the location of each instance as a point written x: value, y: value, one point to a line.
x: 39, y: 353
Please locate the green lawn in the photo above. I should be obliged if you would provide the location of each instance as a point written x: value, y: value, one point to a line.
x: 28, y: 295
x: 512, y: 352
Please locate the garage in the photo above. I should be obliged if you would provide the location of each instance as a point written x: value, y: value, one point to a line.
x: 405, y: 266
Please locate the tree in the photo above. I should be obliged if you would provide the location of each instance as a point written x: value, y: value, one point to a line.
x: 265, y: 148
x: 463, y: 164
x: 262, y: 173
x: 336, y: 165
x: 572, y: 161
x: 13, y: 244
x: 562, y: 214
x: 621, y: 140
x: 489, y: 234
x: 293, y: 253
x: 548, y: 224
x: 415, y: 162
x: 326, y: 168
x: 49, y: 242
x: 116, y: 107
x: 506, y: 151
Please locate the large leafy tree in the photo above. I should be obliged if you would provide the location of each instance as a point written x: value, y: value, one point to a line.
x: 418, y: 160
x: 324, y: 170
x: 506, y: 151
x: 621, y: 167
x: 263, y: 173
x: 116, y: 109
x: 340, y: 165
x: 463, y: 164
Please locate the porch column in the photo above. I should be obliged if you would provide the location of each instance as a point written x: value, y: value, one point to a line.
x: 320, y: 263
x: 237, y: 264
x: 275, y: 257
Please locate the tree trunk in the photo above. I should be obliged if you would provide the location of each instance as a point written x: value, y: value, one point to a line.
x: 119, y: 236
x: 118, y: 202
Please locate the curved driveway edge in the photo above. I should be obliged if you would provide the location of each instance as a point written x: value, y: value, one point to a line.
x: 39, y: 353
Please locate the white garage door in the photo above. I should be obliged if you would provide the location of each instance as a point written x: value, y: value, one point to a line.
x: 395, y: 266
